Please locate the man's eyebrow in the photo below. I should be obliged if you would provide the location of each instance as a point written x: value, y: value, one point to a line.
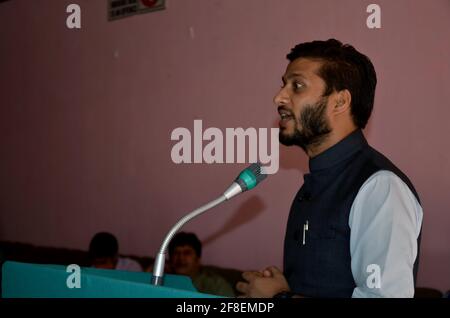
x: 292, y: 75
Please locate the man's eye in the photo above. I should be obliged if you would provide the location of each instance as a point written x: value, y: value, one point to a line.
x: 298, y: 86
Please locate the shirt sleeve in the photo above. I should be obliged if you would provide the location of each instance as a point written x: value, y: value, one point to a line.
x: 385, y: 222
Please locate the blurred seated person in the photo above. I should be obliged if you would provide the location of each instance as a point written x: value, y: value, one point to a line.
x: 104, y: 253
x: 185, y: 251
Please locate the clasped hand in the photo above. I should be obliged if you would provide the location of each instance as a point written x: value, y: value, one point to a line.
x: 263, y: 284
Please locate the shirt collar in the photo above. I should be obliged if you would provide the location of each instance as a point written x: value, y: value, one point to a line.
x: 338, y: 152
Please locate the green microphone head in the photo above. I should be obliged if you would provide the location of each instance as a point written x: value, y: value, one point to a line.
x: 250, y: 177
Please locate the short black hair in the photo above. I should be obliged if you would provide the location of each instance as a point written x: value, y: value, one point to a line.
x: 343, y: 68
x: 182, y: 239
x: 103, y: 244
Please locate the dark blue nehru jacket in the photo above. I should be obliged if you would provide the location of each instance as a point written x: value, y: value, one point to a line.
x: 322, y: 266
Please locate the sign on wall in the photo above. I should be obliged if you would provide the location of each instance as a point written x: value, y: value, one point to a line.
x: 118, y: 9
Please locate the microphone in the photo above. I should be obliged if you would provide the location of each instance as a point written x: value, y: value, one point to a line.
x: 246, y: 180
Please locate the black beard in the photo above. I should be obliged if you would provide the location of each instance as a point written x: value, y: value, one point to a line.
x: 314, y: 125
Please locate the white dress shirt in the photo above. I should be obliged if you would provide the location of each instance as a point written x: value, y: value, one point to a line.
x: 128, y: 264
x: 385, y: 222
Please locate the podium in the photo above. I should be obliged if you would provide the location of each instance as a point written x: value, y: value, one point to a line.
x: 24, y: 280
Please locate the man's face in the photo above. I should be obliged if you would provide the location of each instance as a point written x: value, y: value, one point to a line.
x: 185, y: 261
x: 105, y: 262
x: 302, y: 108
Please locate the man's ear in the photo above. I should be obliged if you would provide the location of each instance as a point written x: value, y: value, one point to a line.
x: 343, y: 100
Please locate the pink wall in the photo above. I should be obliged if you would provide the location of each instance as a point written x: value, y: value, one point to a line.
x: 86, y: 117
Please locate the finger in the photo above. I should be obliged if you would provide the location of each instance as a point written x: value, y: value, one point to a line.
x: 274, y: 270
x: 242, y: 287
x: 267, y: 273
x: 250, y: 276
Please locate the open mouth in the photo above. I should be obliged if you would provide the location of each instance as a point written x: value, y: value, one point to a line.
x: 285, y: 115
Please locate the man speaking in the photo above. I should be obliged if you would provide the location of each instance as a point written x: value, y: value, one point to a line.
x: 354, y: 226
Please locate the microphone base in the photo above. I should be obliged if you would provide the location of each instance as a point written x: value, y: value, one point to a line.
x: 157, y: 280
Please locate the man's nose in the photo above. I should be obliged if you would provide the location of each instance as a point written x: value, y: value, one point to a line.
x: 281, y: 98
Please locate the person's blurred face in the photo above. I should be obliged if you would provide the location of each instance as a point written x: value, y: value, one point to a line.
x: 185, y: 261
x: 105, y: 262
